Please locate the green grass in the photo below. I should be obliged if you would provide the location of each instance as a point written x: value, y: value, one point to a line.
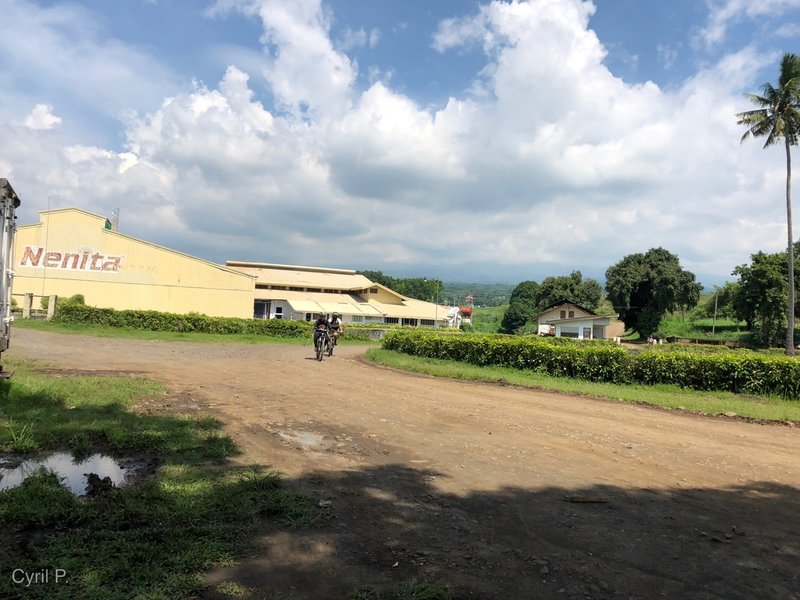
x: 688, y: 327
x: 148, y: 541
x: 488, y: 319
x: 673, y: 397
x: 409, y: 590
x: 169, y: 336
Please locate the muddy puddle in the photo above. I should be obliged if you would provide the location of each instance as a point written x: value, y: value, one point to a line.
x: 74, y: 473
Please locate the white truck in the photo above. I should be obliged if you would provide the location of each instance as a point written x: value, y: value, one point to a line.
x: 9, y: 202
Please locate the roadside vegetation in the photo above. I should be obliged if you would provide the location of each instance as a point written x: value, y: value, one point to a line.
x: 762, y: 408
x: 149, y: 540
x: 353, y: 335
x: 488, y: 319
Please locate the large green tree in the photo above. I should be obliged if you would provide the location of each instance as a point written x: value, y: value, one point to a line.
x: 522, y: 305
x: 644, y: 287
x: 572, y: 287
x: 761, y: 296
x: 778, y: 118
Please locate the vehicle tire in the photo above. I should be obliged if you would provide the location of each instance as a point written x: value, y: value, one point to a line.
x: 320, y: 348
x: 331, y: 344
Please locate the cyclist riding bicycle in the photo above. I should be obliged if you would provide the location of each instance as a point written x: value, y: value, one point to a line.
x: 336, y: 326
x: 321, y: 327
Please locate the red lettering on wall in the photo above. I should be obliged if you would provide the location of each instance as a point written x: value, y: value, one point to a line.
x: 31, y: 257
x: 96, y: 257
x: 35, y: 256
x: 112, y: 264
x: 65, y: 263
x: 52, y: 260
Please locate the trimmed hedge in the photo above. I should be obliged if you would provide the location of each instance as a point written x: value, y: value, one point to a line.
x: 738, y: 371
x: 151, y: 320
x: 595, y: 361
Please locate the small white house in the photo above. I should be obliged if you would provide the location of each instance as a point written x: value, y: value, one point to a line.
x: 567, y: 319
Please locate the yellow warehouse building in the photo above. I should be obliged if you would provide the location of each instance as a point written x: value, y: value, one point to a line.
x: 75, y: 252
x: 71, y: 251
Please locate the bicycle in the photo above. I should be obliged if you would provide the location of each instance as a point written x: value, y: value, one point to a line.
x: 321, y: 343
x: 331, y: 344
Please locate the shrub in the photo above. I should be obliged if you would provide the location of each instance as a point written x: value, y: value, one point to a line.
x: 556, y: 356
x: 739, y: 371
x: 151, y: 320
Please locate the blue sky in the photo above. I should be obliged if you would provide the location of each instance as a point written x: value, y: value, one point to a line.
x: 455, y: 139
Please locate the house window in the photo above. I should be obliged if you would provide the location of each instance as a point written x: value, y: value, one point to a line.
x: 277, y: 287
x: 295, y: 289
x: 373, y: 290
x: 571, y: 314
x: 308, y: 316
x: 412, y: 322
x: 358, y: 319
x: 427, y: 322
x: 278, y: 312
x: 313, y: 289
x: 563, y: 314
x: 393, y: 320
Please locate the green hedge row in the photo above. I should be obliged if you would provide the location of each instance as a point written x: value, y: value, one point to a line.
x: 739, y: 371
x: 159, y: 321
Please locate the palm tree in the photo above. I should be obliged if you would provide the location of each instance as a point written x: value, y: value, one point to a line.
x: 778, y: 116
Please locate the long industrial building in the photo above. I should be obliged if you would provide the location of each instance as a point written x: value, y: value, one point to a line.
x: 71, y: 251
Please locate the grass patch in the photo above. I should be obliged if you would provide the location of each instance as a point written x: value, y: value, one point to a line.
x: 409, y: 590
x: 147, y: 541
x: 171, y: 336
x: 687, y: 326
x: 667, y: 396
x: 487, y: 319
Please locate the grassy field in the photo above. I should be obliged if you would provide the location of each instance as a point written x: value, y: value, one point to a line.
x: 672, y: 397
x: 487, y: 320
x: 678, y: 326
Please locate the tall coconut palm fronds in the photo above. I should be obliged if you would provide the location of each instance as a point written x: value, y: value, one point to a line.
x: 778, y: 117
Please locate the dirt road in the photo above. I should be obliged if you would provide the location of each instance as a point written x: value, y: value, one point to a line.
x: 495, y: 491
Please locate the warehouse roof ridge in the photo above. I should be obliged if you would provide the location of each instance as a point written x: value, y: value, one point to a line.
x: 261, y: 265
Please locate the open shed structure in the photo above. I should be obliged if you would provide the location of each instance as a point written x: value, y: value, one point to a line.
x: 303, y: 292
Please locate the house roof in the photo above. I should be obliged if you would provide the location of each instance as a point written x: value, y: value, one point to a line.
x: 561, y: 303
x: 593, y: 318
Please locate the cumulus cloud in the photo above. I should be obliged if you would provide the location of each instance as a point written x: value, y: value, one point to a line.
x: 42, y: 117
x: 64, y: 46
x: 722, y: 13
x: 547, y: 161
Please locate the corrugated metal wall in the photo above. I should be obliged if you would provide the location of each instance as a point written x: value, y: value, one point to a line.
x: 72, y: 252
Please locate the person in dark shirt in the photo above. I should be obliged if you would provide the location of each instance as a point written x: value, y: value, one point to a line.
x: 321, y: 327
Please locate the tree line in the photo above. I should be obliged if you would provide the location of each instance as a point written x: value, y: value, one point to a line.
x: 421, y: 288
x: 642, y: 288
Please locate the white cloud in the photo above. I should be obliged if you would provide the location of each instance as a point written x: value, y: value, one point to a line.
x: 308, y: 77
x: 722, y: 13
x: 65, y: 46
x: 556, y: 163
x: 42, y: 117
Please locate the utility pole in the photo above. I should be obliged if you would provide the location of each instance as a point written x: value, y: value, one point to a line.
x: 714, y: 321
